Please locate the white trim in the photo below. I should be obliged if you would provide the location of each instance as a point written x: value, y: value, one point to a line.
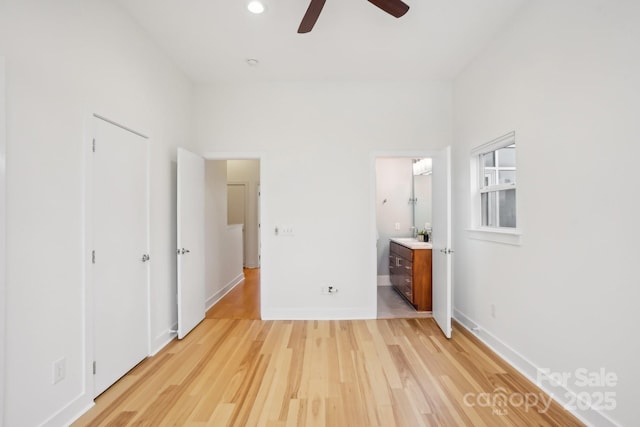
x: 164, y: 339
x: 531, y: 371
x: 87, y: 271
x: 121, y: 126
x: 476, y: 229
x: 233, y: 155
x: 498, y: 187
x: 509, y: 236
x: 384, y: 280
x: 215, y: 298
x: 69, y: 414
x: 500, y: 142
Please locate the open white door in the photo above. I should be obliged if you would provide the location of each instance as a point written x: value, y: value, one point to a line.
x: 442, y: 309
x: 191, y: 256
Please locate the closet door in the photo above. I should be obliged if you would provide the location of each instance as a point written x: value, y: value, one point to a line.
x: 120, y: 258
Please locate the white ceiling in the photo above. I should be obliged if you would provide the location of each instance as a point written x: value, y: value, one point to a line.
x: 212, y: 39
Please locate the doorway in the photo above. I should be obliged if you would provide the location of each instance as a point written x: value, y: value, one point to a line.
x: 232, y: 242
x: 237, y: 211
x: 403, y: 209
x: 243, y: 186
x: 406, y: 227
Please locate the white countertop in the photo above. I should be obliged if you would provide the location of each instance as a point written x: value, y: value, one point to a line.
x: 412, y: 243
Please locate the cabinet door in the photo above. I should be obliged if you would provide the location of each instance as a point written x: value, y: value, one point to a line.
x: 407, y: 287
x: 393, y: 270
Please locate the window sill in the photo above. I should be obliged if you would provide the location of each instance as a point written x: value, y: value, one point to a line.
x: 498, y: 235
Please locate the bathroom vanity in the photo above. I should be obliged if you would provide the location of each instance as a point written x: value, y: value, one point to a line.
x: 410, y: 271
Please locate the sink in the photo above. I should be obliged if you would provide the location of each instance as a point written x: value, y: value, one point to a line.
x: 412, y: 243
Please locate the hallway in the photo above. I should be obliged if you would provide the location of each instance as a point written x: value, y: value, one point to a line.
x: 242, y: 302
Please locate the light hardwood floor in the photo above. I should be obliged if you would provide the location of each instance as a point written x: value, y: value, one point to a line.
x: 243, y: 302
x: 393, y: 372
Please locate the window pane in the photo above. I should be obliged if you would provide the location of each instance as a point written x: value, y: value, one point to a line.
x: 489, y: 177
x: 507, y: 157
x: 489, y: 159
x: 489, y: 211
x: 507, y: 177
x: 507, y: 203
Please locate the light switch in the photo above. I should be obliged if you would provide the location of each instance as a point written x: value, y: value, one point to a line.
x: 397, y: 226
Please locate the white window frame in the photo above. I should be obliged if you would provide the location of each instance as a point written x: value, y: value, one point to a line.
x: 509, y: 235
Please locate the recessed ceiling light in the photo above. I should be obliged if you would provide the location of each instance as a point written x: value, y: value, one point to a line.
x: 255, y: 7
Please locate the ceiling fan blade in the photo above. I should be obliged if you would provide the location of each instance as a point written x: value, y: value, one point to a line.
x: 310, y: 18
x: 395, y: 8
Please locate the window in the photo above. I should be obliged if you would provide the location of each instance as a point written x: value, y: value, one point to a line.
x: 493, y: 186
x: 498, y: 187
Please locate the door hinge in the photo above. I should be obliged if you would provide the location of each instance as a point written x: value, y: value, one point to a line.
x: 93, y: 145
x: 94, y: 367
x: 93, y: 257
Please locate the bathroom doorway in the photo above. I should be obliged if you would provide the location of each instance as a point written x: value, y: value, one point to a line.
x: 402, y: 210
x: 440, y: 251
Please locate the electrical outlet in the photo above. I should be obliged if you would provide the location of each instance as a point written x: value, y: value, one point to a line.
x: 397, y: 226
x: 328, y: 290
x: 59, y: 370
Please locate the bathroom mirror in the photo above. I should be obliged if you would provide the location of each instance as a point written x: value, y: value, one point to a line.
x: 422, y: 194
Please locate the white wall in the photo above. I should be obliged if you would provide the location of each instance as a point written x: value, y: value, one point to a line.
x: 248, y: 172
x: 566, y: 77
x: 223, y: 243
x: 393, y: 191
x: 65, y: 59
x: 3, y: 222
x: 315, y: 143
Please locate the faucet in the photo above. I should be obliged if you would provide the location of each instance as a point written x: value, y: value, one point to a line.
x: 414, y: 231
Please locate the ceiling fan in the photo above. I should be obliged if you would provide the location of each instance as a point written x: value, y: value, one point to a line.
x: 395, y: 8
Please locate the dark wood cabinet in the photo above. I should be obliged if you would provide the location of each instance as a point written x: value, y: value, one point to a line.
x: 410, y: 272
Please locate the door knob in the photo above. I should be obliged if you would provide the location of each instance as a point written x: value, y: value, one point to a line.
x: 185, y: 251
x: 145, y: 257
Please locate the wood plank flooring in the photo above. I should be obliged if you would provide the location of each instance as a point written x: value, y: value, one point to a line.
x: 243, y: 302
x: 393, y: 372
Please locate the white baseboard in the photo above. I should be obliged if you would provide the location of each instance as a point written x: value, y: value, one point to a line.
x: 163, y: 339
x: 591, y: 417
x: 384, y: 280
x: 213, y: 300
x: 356, y: 313
x: 71, y: 412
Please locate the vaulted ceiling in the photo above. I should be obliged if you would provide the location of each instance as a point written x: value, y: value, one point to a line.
x: 211, y: 40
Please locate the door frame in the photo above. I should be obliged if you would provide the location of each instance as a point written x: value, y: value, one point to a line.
x: 244, y: 184
x: 261, y: 212
x: 88, y: 244
x: 414, y: 154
